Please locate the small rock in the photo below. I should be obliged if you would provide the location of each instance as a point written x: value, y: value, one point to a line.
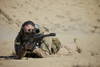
x: 98, y: 20
x: 94, y: 53
x: 98, y: 5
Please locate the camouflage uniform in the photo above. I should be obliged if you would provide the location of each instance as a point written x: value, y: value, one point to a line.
x: 53, y: 45
x: 42, y: 51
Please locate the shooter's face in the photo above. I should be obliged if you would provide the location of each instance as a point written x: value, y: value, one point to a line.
x: 27, y: 28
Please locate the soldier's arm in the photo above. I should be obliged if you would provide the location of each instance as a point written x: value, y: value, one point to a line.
x: 18, y: 39
x: 17, y: 43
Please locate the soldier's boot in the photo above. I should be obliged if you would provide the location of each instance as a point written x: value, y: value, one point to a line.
x: 78, y: 45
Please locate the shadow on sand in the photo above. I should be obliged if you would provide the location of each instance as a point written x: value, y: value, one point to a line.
x: 28, y: 55
x: 8, y: 57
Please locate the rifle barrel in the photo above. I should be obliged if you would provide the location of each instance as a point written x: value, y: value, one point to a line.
x: 37, y: 36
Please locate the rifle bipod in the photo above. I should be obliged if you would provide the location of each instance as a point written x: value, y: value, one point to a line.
x: 47, y: 47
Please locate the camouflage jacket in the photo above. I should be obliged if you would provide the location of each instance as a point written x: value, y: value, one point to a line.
x: 20, y: 36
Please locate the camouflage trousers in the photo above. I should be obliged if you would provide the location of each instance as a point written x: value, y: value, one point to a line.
x: 70, y: 49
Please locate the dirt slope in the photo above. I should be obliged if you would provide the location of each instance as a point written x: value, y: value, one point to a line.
x: 68, y: 18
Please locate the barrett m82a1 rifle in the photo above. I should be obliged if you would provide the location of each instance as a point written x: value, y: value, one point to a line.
x: 36, y: 39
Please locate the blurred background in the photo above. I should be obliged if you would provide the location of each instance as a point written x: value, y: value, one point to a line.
x: 69, y: 19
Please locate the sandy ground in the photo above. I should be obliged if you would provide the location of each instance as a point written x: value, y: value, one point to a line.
x: 69, y: 19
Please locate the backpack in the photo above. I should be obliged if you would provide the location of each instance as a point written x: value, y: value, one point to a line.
x: 55, y: 47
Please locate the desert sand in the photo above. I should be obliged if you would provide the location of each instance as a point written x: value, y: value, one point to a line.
x: 69, y: 19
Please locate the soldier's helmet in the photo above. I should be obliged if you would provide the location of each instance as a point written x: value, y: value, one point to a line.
x: 28, y: 22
